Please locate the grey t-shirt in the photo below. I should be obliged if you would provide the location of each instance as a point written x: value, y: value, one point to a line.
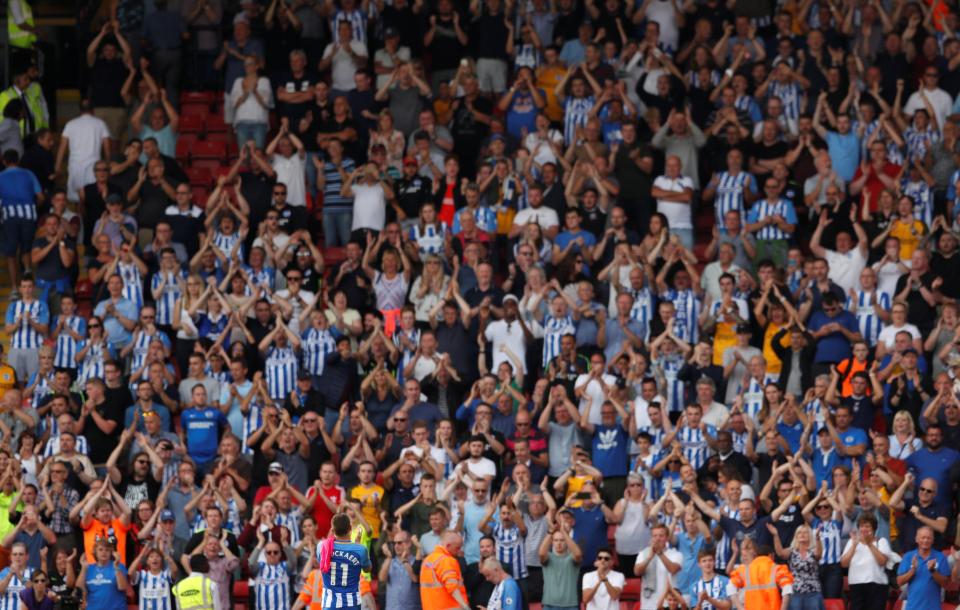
x: 405, y: 106
x: 560, y: 581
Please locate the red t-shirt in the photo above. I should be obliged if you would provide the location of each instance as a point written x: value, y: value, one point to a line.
x: 874, y: 187
x: 448, y: 207
x: 321, y: 512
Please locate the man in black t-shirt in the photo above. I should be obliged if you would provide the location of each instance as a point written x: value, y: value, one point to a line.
x: 101, y: 419
x: 294, y: 89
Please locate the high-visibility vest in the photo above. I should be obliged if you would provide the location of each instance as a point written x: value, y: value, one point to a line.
x: 761, y: 582
x: 439, y: 570
x: 312, y: 593
x: 19, y: 37
x: 195, y: 592
x: 33, y: 96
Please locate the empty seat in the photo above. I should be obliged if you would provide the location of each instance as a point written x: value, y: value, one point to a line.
x: 191, y: 124
x: 200, y: 176
x: 207, y: 149
x: 214, y: 124
x: 197, y: 97
x: 212, y: 166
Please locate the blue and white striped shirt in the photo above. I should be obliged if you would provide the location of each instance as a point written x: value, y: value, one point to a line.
x: 406, y: 354
x: 687, y: 304
x: 272, y: 586
x: 764, y: 208
x: 314, y: 347
x: 41, y: 389
x: 25, y: 337
x: 644, y: 303
x: 291, y: 521
x: 168, y: 298
x: 718, y: 587
x: 510, y: 548
x: 225, y: 243
x: 919, y: 142
x: 830, y: 538
x: 358, y: 23
x: 693, y: 443
x: 10, y: 599
x: 669, y: 366
x: 141, y: 347
x: 730, y: 190
x: 67, y: 346
x: 251, y: 423
x: 553, y: 329
x: 154, y: 591
x: 266, y: 277
x: 527, y: 57
x: 485, y: 216
x: 752, y: 398
x: 53, y: 446
x: 132, y: 283
x: 281, y: 371
x: 922, y: 196
x: 867, y: 318
x: 15, y: 185
x: 790, y: 94
x: 332, y: 199
x: 575, y: 111
x: 429, y: 239
x: 724, y: 546
x: 92, y: 365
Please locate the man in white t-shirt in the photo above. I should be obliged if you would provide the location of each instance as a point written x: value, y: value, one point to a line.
x: 345, y: 56
x: 589, y: 388
x: 674, y: 193
x: 88, y: 140
x: 537, y: 213
x: 476, y: 466
x: 510, y: 332
x: 602, y: 587
x: 847, y: 261
x: 656, y: 565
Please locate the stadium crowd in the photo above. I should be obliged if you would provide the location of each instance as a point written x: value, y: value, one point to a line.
x: 645, y: 303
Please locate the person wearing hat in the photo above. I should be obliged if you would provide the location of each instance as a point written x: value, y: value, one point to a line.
x: 412, y: 190
x: 390, y: 57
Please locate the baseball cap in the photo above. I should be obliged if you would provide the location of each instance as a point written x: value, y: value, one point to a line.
x: 275, y: 467
x: 743, y: 329
x: 909, y: 350
x: 410, y: 161
x: 390, y: 32
x: 114, y: 198
x: 167, y: 515
x: 511, y: 297
x: 303, y: 375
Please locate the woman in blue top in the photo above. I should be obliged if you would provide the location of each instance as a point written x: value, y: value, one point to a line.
x: 104, y: 583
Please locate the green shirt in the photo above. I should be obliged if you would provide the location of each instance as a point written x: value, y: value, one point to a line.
x: 560, y: 580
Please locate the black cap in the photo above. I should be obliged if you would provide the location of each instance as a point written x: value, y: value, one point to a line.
x: 743, y: 329
x: 303, y: 375
x: 114, y: 198
x: 390, y: 32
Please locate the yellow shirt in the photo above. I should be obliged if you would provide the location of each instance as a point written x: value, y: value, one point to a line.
x: 574, y: 485
x: 909, y: 236
x: 370, y: 501
x: 774, y: 364
x: 8, y: 379
x: 547, y: 79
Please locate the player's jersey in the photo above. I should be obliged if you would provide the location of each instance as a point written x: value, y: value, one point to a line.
x: 341, y: 585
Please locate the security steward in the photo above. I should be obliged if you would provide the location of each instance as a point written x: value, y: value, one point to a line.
x: 197, y: 591
x: 441, y: 582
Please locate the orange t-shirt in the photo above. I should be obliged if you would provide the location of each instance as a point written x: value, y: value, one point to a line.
x: 115, y: 532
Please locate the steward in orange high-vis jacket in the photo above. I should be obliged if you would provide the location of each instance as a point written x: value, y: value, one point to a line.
x: 765, y: 584
x: 441, y: 582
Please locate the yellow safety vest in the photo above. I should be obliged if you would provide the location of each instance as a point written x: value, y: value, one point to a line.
x: 33, y: 96
x: 194, y: 593
x: 19, y: 37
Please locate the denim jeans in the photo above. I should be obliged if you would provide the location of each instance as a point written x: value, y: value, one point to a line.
x: 251, y: 131
x: 686, y: 237
x: 336, y: 227
x: 806, y: 601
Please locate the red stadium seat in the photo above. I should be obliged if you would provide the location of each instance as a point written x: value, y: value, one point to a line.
x: 631, y: 589
x: 200, y: 194
x: 197, y: 97
x: 185, y: 142
x: 214, y: 124
x: 833, y: 604
x: 84, y: 290
x: 191, y: 124
x: 334, y: 256
x: 195, y: 109
x: 205, y: 149
x: 200, y: 176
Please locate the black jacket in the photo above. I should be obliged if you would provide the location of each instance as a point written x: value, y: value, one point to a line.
x: 786, y: 355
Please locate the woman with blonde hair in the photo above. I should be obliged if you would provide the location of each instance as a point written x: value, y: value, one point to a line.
x: 903, y: 441
x: 391, y: 138
x: 803, y: 557
x: 183, y: 323
x: 429, y: 290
